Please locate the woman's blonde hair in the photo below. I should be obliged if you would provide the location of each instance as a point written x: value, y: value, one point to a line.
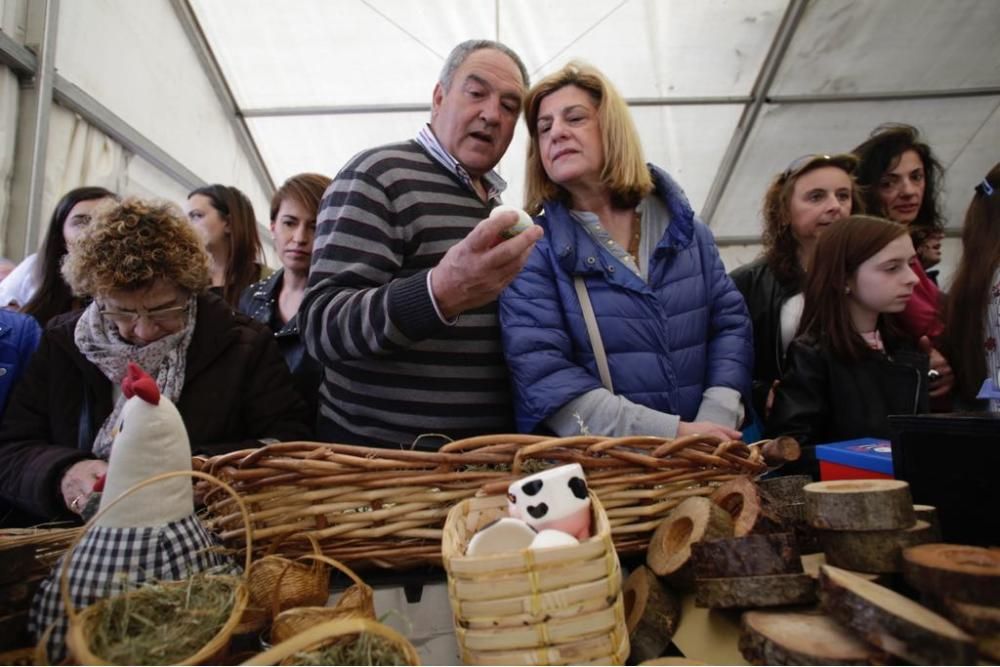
x: 624, y: 173
x: 131, y: 244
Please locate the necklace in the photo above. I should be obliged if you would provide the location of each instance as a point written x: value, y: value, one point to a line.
x: 633, y: 243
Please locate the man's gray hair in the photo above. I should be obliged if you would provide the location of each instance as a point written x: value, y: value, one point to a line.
x: 465, y: 49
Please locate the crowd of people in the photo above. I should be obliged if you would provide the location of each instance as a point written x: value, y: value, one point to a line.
x: 404, y: 315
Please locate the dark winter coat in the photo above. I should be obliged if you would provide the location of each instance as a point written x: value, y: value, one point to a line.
x: 237, y: 391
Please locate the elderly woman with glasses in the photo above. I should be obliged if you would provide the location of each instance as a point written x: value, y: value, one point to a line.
x: 802, y: 202
x: 147, y: 271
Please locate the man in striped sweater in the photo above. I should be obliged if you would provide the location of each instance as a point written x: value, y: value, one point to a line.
x: 401, y: 306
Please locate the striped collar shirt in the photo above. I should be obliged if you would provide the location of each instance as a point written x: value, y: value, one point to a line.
x: 495, y: 185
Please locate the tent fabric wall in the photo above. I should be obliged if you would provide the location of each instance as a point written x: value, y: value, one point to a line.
x: 8, y: 124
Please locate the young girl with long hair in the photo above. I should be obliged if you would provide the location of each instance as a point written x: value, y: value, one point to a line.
x: 850, y: 367
x: 972, y: 315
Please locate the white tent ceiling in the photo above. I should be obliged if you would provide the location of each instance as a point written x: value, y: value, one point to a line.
x: 725, y: 92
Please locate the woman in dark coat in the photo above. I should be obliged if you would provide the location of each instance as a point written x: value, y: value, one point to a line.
x: 147, y: 271
x: 802, y: 202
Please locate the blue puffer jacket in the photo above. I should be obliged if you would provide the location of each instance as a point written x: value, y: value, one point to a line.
x: 666, y: 341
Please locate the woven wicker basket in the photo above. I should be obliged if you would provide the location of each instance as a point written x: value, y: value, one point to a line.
x: 79, y: 633
x: 357, y: 601
x: 331, y: 631
x: 387, y: 507
x: 277, y: 583
x: 561, y: 605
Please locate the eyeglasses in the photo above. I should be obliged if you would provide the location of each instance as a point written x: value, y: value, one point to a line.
x: 157, y: 315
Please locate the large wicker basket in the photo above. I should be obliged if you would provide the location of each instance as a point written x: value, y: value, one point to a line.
x: 387, y: 507
x: 555, y: 606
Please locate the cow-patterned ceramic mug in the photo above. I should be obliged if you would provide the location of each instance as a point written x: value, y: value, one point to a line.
x: 554, y: 499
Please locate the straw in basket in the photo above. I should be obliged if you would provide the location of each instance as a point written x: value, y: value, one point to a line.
x: 357, y: 601
x: 555, y: 606
x: 327, y: 633
x: 81, y: 623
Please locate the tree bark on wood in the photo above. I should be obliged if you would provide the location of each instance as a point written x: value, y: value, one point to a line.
x: 652, y: 614
x: 751, y: 509
x: 859, y: 504
x: 929, y: 514
x: 964, y: 573
x: 669, y: 553
x: 892, y: 622
x: 876, y: 551
x: 786, y: 490
x: 744, y: 592
x: 748, y: 556
x: 802, y: 638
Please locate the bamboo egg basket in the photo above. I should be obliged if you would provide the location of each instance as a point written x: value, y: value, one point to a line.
x: 387, y: 507
x: 554, y: 606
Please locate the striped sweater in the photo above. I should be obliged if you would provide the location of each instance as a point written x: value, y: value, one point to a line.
x: 393, y: 369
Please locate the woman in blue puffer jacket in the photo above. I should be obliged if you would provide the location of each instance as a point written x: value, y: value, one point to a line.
x: 621, y: 235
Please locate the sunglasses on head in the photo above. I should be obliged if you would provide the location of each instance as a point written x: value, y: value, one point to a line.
x: 985, y: 189
x: 799, y: 164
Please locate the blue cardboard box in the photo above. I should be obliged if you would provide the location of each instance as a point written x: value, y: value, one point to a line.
x: 865, y: 455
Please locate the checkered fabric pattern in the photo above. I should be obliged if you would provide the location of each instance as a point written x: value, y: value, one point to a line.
x: 110, y: 560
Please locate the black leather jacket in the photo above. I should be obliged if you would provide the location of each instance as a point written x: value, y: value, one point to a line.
x: 765, y: 295
x: 260, y: 301
x: 823, y: 398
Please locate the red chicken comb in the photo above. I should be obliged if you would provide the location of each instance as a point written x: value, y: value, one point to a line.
x: 138, y: 383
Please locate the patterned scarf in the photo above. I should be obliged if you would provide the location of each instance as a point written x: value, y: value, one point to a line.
x: 164, y: 359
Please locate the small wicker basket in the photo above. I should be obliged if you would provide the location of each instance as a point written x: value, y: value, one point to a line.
x: 80, y: 622
x: 555, y: 606
x: 357, y: 601
x: 329, y: 632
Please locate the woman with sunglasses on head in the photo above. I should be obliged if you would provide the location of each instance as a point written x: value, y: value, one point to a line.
x: 147, y: 272
x: 802, y: 202
x: 224, y: 217
x: 850, y: 367
x: 275, y: 300
x: 37, y: 285
x: 972, y: 313
x: 901, y: 180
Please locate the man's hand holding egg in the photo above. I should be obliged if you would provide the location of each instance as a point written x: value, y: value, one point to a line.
x: 523, y: 220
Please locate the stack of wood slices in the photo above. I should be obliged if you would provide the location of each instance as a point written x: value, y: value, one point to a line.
x: 752, y: 546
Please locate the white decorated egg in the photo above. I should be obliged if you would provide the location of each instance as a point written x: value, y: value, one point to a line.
x: 523, y: 220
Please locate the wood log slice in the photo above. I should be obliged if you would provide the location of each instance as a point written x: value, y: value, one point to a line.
x: 964, y: 573
x: 892, y: 622
x: 783, y: 449
x: 747, y: 556
x: 929, y: 514
x: 802, y: 638
x: 651, y: 614
x: 977, y: 619
x: 742, y: 592
x: 695, y: 519
x: 786, y: 490
x: 859, y: 504
x: 812, y: 562
x: 876, y: 551
x: 752, y: 510
x: 671, y: 661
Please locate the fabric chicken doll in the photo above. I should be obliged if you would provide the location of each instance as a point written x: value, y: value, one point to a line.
x: 152, y: 535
